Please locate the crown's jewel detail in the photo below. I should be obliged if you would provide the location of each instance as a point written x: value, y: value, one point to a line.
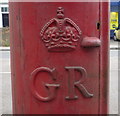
x: 60, y: 34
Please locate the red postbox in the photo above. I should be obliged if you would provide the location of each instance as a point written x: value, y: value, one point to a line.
x: 59, y: 57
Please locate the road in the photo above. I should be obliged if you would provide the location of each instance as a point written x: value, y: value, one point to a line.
x: 114, y: 71
x: 5, y: 83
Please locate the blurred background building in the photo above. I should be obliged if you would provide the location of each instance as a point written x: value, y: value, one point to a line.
x: 4, y: 13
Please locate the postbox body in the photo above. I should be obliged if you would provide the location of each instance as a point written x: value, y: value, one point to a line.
x: 59, y: 57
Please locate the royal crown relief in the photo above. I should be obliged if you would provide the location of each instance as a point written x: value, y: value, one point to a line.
x: 60, y: 33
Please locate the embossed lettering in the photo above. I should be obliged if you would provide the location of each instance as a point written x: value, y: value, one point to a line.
x: 50, y: 87
x: 78, y: 84
x: 72, y: 83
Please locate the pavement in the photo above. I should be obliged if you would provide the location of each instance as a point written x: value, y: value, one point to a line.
x: 4, y: 48
x: 114, y: 44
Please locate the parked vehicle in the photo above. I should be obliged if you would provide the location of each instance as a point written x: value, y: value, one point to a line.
x: 117, y: 33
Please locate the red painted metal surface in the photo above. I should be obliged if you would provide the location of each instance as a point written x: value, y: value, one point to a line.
x: 59, y: 58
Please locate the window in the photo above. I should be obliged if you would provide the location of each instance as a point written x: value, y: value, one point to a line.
x: 4, y: 9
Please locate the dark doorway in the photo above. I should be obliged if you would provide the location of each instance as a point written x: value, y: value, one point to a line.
x: 5, y: 18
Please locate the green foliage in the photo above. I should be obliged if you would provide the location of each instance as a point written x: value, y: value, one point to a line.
x: 4, y: 37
